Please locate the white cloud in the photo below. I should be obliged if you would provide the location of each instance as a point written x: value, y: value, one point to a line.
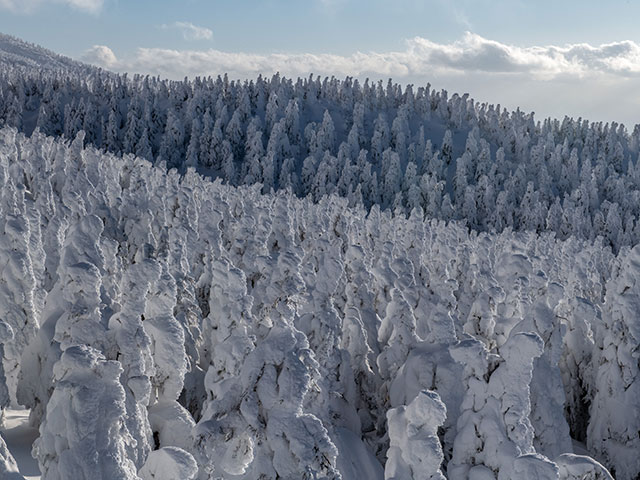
x: 190, y: 31
x: 29, y: 6
x: 100, y: 55
x: 472, y: 53
x: 578, y: 80
x: 88, y: 5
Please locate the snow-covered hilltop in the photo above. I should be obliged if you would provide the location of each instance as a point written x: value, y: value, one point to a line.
x: 301, y: 319
x: 17, y: 53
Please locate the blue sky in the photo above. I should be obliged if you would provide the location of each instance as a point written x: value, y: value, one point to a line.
x: 554, y: 57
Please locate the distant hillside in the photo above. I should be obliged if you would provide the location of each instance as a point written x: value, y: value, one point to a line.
x: 18, y: 53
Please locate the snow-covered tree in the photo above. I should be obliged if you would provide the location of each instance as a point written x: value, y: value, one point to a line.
x: 613, y: 432
x: 84, y: 435
x: 415, y: 450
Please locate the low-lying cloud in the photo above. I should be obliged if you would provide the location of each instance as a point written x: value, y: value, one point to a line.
x: 472, y: 53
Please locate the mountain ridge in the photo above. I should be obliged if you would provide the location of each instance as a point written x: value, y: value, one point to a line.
x: 20, y: 53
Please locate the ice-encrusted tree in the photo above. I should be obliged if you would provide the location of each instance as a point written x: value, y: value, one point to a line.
x: 84, y: 434
x: 74, y: 323
x: 359, y: 333
x: 612, y: 433
x: 18, y: 282
x: 132, y: 348
x: 396, y: 335
x: 552, y: 436
x: 6, y: 336
x: 80, y: 272
x: 8, y: 466
x: 495, y: 436
x: 322, y: 323
x: 71, y: 316
x: 167, y: 338
x: 16, y: 295
x: 187, y: 312
x: 579, y: 316
x: 415, y: 451
x: 227, y: 338
x: 428, y: 364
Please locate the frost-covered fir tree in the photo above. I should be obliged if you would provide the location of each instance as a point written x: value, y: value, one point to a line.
x: 613, y: 432
x: 495, y: 436
x: 17, y: 309
x: 415, y: 450
x: 84, y: 434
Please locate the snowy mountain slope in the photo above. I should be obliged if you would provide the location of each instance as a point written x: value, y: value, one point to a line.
x: 18, y: 53
x: 265, y: 336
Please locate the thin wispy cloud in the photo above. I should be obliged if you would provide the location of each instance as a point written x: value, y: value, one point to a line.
x: 190, y: 31
x: 331, y: 5
x: 30, y: 6
x: 457, y: 12
x: 472, y: 53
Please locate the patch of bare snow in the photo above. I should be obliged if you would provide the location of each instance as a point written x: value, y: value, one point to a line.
x: 19, y: 437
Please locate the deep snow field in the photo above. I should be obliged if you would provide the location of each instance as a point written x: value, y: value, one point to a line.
x: 390, y: 286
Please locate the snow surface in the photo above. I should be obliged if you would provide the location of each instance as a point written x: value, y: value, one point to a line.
x: 19, y: 437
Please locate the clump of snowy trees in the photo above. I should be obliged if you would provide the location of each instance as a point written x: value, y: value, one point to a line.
x: 218, y: 332
x: 372, y: 143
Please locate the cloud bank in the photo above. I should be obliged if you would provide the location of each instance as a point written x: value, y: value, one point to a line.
x: 190, y: 31
x: 29, y: 6
x: 472, y: 53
